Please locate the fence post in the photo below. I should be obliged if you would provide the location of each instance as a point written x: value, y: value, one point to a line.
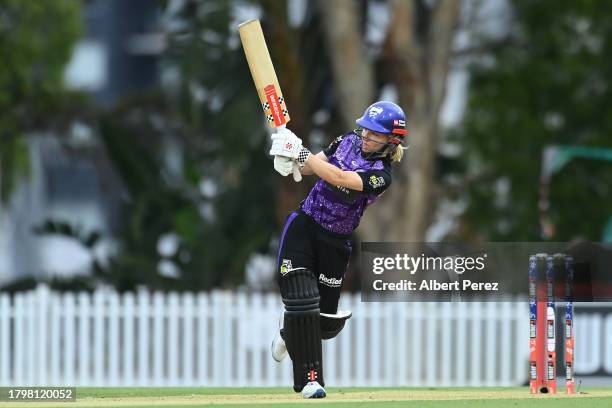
x: 241, y: 351
x: 416, y: 352
x: 476, y: 343
x: 99, y: 334
x: 203, y: 338
x: 521, y: 346
x: 461, y: 344
x: 144, y: 337
x: 187, y: 348
x: 401, y: 348
x: 128, y: 339
x: 173, y: 318
x: 113, y: 339
x: 69, y: 337
x: 18, y: 339
x: 430, y: 319
x: 158, y: 339
x: 446, y: 335
x: 84, y: 340
x: 506, y: 325
x: 30, y: 338
x: 5, y: 337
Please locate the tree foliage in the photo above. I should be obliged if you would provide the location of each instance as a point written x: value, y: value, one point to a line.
x: 220, y: 204
x: 549, y: 84
x: 36, y: 39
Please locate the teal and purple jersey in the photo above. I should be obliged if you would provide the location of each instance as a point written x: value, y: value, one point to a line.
x: 339, y: 209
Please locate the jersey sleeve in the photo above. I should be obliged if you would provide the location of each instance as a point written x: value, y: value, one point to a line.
x: 375, y: 181
x: 331, y: 149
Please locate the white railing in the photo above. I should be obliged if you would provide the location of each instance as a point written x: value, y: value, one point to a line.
x: 223, y: 339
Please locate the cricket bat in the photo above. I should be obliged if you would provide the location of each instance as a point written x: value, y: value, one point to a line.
x: 264, y: 76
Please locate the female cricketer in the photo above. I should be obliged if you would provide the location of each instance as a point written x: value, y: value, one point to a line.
x: 315, y: 245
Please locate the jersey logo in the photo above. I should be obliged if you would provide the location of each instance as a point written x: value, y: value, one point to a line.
x: 286, y: 266
x: 376, y: 182
x: 375, y: 111
x: 331, y: 282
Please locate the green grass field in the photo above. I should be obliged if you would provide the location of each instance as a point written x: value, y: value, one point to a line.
x: 337, y: 397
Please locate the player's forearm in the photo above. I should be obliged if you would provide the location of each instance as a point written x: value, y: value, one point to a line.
x: 326, y: 171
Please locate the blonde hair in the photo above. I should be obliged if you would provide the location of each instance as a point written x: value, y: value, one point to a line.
x: 397, y: 154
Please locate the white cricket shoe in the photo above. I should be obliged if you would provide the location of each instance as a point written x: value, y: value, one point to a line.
x: 313, y: 390
x: 279, y: 348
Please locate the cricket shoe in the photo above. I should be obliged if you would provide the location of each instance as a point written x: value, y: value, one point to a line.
x: 313, y: 390
x: 279, y: 348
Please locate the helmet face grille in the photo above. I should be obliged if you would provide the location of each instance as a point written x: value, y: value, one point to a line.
x: 385, y: 149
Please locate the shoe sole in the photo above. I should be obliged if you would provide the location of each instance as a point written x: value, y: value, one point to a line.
x: 320, y: 393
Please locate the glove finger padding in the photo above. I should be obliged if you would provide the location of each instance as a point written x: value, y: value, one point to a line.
x: 283, y: 165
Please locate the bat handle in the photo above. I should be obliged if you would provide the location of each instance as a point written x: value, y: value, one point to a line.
x: 297, y: 176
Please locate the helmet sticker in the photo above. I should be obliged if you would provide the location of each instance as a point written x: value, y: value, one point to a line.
x: 375, y: 111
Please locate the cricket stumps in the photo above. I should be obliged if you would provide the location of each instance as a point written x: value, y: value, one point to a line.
x: 542, y: 323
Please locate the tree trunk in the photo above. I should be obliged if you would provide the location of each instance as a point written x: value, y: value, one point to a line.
x: 282, y: 44
x: 420, y: 65
x: 353, y: 74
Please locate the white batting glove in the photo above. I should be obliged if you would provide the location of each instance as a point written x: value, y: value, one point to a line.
x: 286, y: 143
x: 283, y: 165
x: 286, y: 166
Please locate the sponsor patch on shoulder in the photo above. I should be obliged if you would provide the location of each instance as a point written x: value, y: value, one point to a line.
x: 376, y: 182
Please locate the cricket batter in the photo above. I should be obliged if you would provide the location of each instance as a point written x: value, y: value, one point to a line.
x: 315, y: 245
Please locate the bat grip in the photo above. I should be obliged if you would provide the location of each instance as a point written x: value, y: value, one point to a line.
x: 297, y: 176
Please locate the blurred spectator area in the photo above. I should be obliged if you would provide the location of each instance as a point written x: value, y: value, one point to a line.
x: 119, y: 51
x: 70, y: 179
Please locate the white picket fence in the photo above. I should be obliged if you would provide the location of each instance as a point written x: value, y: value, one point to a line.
x: 223, y: 339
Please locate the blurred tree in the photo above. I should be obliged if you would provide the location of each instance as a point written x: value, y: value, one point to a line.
x: 342, y: 25
x: 415, y: 59
x: 160, y: 205
x: 288, y: 51
x: 549, y: 84
x: 226, y: 161
x: 327, y: 51
x: 36, y: 39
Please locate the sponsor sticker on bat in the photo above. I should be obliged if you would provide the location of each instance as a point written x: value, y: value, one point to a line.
x: 272, y: 97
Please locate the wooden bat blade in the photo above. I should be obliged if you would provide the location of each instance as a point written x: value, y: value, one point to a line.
x: 264, y: 76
